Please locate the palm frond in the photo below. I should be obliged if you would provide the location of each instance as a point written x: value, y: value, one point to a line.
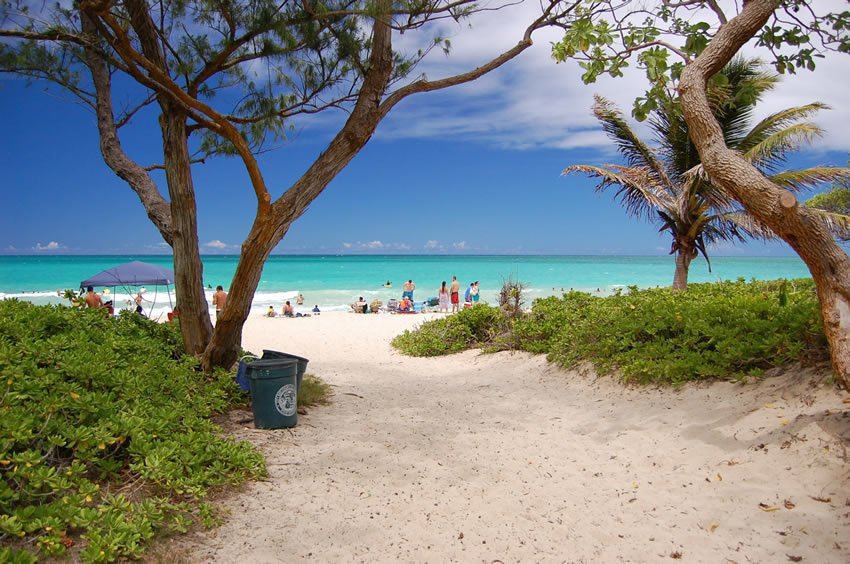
x: 838, y: 224
x: 636, y: 190
x: 771, y: 151
x: 636, y: 152
x: 806, y: 179
x: 745, y: 225
x: 777, y: 122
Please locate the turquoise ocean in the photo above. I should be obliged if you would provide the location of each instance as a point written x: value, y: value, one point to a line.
x: 333, y: 282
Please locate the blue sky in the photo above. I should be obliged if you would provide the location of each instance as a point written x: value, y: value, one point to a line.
x: 475, y: 169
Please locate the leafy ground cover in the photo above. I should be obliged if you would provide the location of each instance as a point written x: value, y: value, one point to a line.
x: 718, y: 330
x: 105, y: 434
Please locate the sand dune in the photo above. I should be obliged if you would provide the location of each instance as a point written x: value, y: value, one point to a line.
x: 505, y: 458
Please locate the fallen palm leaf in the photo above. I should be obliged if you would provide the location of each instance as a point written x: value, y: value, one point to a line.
x: 789, y: 504
x: 821, y: 499
x: 768, y: 508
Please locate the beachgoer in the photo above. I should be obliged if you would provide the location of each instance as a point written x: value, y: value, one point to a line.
x: 219, y: 299
x: 300, y: 299
x: 408, y: 288
x: 406, y: 304
x: 474, y: 293
x: 316, y: 309
x: 138, y: 301
x: 467, y: 296
x: 271, y: 312
x: 454, y: 292
x: 360, y: 306
x: 388, y: 284
x: 287, y: 310
x: 93, y: 299
x: 443, y: 295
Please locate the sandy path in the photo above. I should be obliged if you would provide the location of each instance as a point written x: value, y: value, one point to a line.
x: 502, y: 458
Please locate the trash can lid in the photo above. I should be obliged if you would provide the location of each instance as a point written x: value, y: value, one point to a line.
x: 271, y: 363
x: 270, y: 354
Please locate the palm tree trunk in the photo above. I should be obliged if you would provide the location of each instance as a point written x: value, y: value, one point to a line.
x: 827, y: 262
x: 683, y: 264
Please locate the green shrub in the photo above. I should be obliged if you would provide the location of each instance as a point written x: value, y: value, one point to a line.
x: 474, y: 326
x: 313, y: 391
x: 105, y: 437
x: 727, y: 329
x: 720, y: 330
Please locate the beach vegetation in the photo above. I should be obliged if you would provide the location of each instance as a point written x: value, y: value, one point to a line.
x: 711, y: 331
x: 511, y: 298
x: 665, y: 183
x: 680, y: 47
x: 106, y: 437
x: 233, y: 80
x: 835, y: 203
x: 313, y: 391
x: 479, y: 325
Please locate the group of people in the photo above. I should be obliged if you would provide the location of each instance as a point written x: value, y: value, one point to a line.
x: 92, y: 299
x: 451, y: 295
x: 289, y: 311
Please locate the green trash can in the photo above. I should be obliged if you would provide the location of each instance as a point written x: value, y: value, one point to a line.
x: 302, y: 362
x: 274, y: 392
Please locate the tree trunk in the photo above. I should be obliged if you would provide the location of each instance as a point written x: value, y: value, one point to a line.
x: 194, y: 314
x: 808, y: 236
x: 272, y: 222
x: 683, y: 263
x: 226, y: 341
x: 110, y: 145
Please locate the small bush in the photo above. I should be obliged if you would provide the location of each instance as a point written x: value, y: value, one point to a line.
x: 477, y: 325
x: 313, y: 391
x: 728, y: 329
x: 105, y: 436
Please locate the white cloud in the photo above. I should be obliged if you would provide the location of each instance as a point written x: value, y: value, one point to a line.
x: 216, y: 244
x: 433, y: 244
x: 51, y: 246
x: 531, y: 102
x: 460, y: 245
x: 376, y: 246
x: 159, y: 246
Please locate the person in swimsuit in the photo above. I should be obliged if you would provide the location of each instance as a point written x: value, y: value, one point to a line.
x: 408, y: 288
x: 443, y: 295
x: 454, y: 292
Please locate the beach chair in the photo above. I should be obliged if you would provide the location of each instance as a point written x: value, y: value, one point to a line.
x: 392, y: 305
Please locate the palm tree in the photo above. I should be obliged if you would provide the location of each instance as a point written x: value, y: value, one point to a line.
x: 668, y: 186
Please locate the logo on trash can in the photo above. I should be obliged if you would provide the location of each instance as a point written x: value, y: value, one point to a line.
x: 285, y: 400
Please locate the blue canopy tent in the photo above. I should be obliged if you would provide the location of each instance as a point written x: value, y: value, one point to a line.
x: 135, y: 273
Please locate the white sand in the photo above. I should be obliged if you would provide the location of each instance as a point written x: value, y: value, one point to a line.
x: 505, y: 458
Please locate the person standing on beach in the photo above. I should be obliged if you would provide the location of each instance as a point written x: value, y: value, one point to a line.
x: 454, y: 292
x: 474, y: 292
x: 92, y: 298
x: 300, y: 299
x: 408, y: 288
x: 219, y: 298
x: 443, y: 295
x: 467, y: 296
x: 139, y: 299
